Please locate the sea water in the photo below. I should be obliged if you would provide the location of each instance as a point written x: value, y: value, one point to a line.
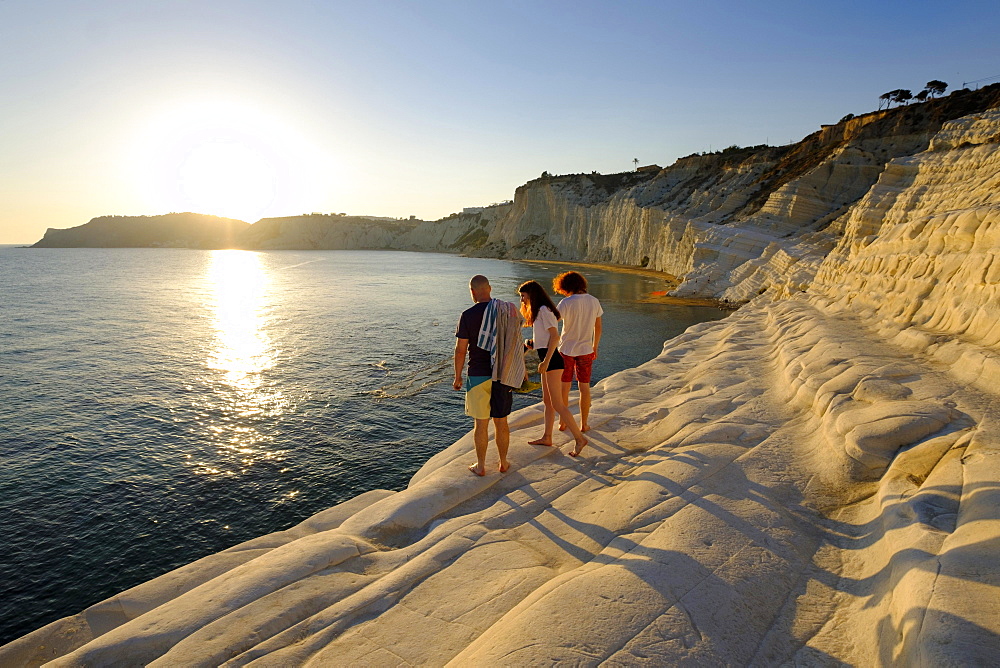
x: 159, y: 405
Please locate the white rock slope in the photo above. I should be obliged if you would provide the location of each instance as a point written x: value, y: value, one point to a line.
x: 813, y: 481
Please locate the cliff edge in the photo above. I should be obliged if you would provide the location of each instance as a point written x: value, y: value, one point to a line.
x: 813, y: 480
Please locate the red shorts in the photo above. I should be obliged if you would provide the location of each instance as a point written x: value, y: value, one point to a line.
x: 581, y: 365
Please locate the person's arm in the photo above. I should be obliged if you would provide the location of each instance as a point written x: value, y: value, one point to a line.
x: 543, y: 366
x: 461, y: 348
x: 597, y: 335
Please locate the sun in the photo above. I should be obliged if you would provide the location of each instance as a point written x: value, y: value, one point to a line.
x: 227, y: 159
x: 228, y: 178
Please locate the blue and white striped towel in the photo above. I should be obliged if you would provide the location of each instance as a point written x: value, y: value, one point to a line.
x: 488, y: 332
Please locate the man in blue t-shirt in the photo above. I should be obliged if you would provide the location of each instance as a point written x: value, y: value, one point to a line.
x: 484, y: 399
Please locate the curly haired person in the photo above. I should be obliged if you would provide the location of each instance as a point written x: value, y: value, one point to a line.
x: 581, y: 338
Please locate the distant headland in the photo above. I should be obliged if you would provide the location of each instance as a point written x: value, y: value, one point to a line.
x: 172, y: 230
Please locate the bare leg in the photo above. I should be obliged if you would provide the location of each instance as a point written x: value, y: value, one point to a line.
x: 550, y: 413
x: 565, y: 416
x: 481, y: 436
x: 584, y: 405
x: 565, y: 398
x: 503, y: 441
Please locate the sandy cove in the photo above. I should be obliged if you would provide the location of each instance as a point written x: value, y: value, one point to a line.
x: 661, y: 296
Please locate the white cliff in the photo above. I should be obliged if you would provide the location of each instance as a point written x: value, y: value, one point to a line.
x: 324, y: 232
x: 458, y: 232
x: 814, y: 480
x: 465, y: 231
x: 730, y: 224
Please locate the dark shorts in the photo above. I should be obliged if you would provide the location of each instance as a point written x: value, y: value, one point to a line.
x: 501, y: 400
x: 580, y: 366
x: 555, y: 363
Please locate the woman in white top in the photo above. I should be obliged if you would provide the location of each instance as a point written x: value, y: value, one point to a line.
x: 539, y: 312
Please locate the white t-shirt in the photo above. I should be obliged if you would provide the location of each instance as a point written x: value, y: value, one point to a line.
x: 540, y: 328
x: 579, y: 313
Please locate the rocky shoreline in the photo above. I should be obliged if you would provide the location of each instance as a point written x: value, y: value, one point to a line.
x: 813, y: 480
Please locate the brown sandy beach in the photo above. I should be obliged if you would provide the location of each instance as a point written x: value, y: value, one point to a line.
x: 656, y: 297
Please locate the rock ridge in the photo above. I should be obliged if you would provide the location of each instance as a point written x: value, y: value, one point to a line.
x: 814, y: 480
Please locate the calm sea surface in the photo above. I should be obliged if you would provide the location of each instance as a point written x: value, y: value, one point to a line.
x: 158, y: 405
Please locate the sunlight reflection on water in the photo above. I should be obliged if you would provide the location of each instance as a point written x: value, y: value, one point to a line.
x: 239, y: 300
x: 239, y: 297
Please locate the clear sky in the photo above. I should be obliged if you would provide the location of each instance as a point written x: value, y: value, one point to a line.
x: 393, y: 108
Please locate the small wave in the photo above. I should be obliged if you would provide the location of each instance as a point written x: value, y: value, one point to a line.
x: 292, y: 266
x: 415, y: 383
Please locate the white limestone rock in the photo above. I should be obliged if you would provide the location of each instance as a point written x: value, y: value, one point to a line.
x: 811, y: 481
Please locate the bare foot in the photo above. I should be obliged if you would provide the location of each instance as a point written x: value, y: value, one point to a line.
x: 562, y: 427
x: 479, y: 472
x: 504, y: 466
x: 585, y: 427
x: 541, y: 441
x: 575, y: 452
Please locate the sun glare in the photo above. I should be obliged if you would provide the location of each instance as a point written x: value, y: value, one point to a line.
x: 228, y: 178
x: 227, y: 159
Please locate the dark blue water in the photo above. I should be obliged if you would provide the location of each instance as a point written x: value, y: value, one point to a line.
x: 158, y: 405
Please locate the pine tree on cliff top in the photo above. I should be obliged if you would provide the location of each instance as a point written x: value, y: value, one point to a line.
x: 935, y: 87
